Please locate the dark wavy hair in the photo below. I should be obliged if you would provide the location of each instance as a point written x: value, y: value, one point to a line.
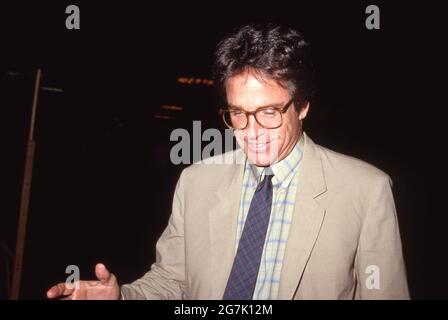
x: 267, y: 50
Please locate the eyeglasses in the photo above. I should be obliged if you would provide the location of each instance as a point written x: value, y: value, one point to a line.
x: 267, y: 117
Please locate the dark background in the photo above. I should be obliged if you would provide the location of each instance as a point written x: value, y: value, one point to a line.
x: 103, y: 182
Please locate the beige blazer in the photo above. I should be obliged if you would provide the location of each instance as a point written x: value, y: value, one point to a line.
x: 343, y: 243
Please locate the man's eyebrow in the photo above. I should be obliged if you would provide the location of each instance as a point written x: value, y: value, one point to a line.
x: 271, y: 105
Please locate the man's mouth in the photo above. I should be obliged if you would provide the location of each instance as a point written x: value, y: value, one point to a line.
x: 257, y: 147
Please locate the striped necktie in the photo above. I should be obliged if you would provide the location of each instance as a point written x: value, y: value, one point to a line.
x: 243, y: 277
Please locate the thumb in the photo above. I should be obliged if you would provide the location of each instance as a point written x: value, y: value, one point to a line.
x: 102, y: 273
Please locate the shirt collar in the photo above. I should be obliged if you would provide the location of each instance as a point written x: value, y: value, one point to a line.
x: 283, y: 170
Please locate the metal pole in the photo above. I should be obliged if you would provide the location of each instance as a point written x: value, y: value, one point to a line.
x: 25, y: 197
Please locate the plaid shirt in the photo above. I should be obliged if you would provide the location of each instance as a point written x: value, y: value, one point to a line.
x: 285, y: 183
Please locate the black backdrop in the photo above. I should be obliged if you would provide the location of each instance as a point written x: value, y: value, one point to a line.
x: 103, y: 182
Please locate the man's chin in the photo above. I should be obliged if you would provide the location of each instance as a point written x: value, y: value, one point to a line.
x: 261, y: 159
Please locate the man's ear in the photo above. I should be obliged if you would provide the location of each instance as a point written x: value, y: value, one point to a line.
x: 304, y: 111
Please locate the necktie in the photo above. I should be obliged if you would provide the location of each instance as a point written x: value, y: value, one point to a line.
x: 243, y: 277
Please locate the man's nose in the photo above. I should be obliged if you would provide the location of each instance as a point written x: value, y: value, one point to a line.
x: 253, y: 126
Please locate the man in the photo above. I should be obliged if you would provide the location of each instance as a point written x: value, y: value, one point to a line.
x: 289, y: 219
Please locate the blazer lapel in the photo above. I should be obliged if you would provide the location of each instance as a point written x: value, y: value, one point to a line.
x: 306, y: 222
x: 223, y: 224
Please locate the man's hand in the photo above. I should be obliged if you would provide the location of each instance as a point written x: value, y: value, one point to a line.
x: 105, y: 288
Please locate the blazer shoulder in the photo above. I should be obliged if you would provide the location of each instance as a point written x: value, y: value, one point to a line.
x: 215, y: 167
x: 347, y: 167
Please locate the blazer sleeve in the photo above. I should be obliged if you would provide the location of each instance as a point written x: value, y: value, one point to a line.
x: 166, y: 278
x: 379, y: 265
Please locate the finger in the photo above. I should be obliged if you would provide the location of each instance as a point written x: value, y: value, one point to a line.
x: 102, y: 273
x: 59, y: 290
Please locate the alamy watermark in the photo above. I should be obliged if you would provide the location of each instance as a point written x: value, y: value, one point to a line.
x: 373, y: 278
x: 189, y: 147
x: 373, y: 18
x: 72, y: 281
x: 73, y: 20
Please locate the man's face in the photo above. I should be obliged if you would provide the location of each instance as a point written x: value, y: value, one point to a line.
x: 264, y: 146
